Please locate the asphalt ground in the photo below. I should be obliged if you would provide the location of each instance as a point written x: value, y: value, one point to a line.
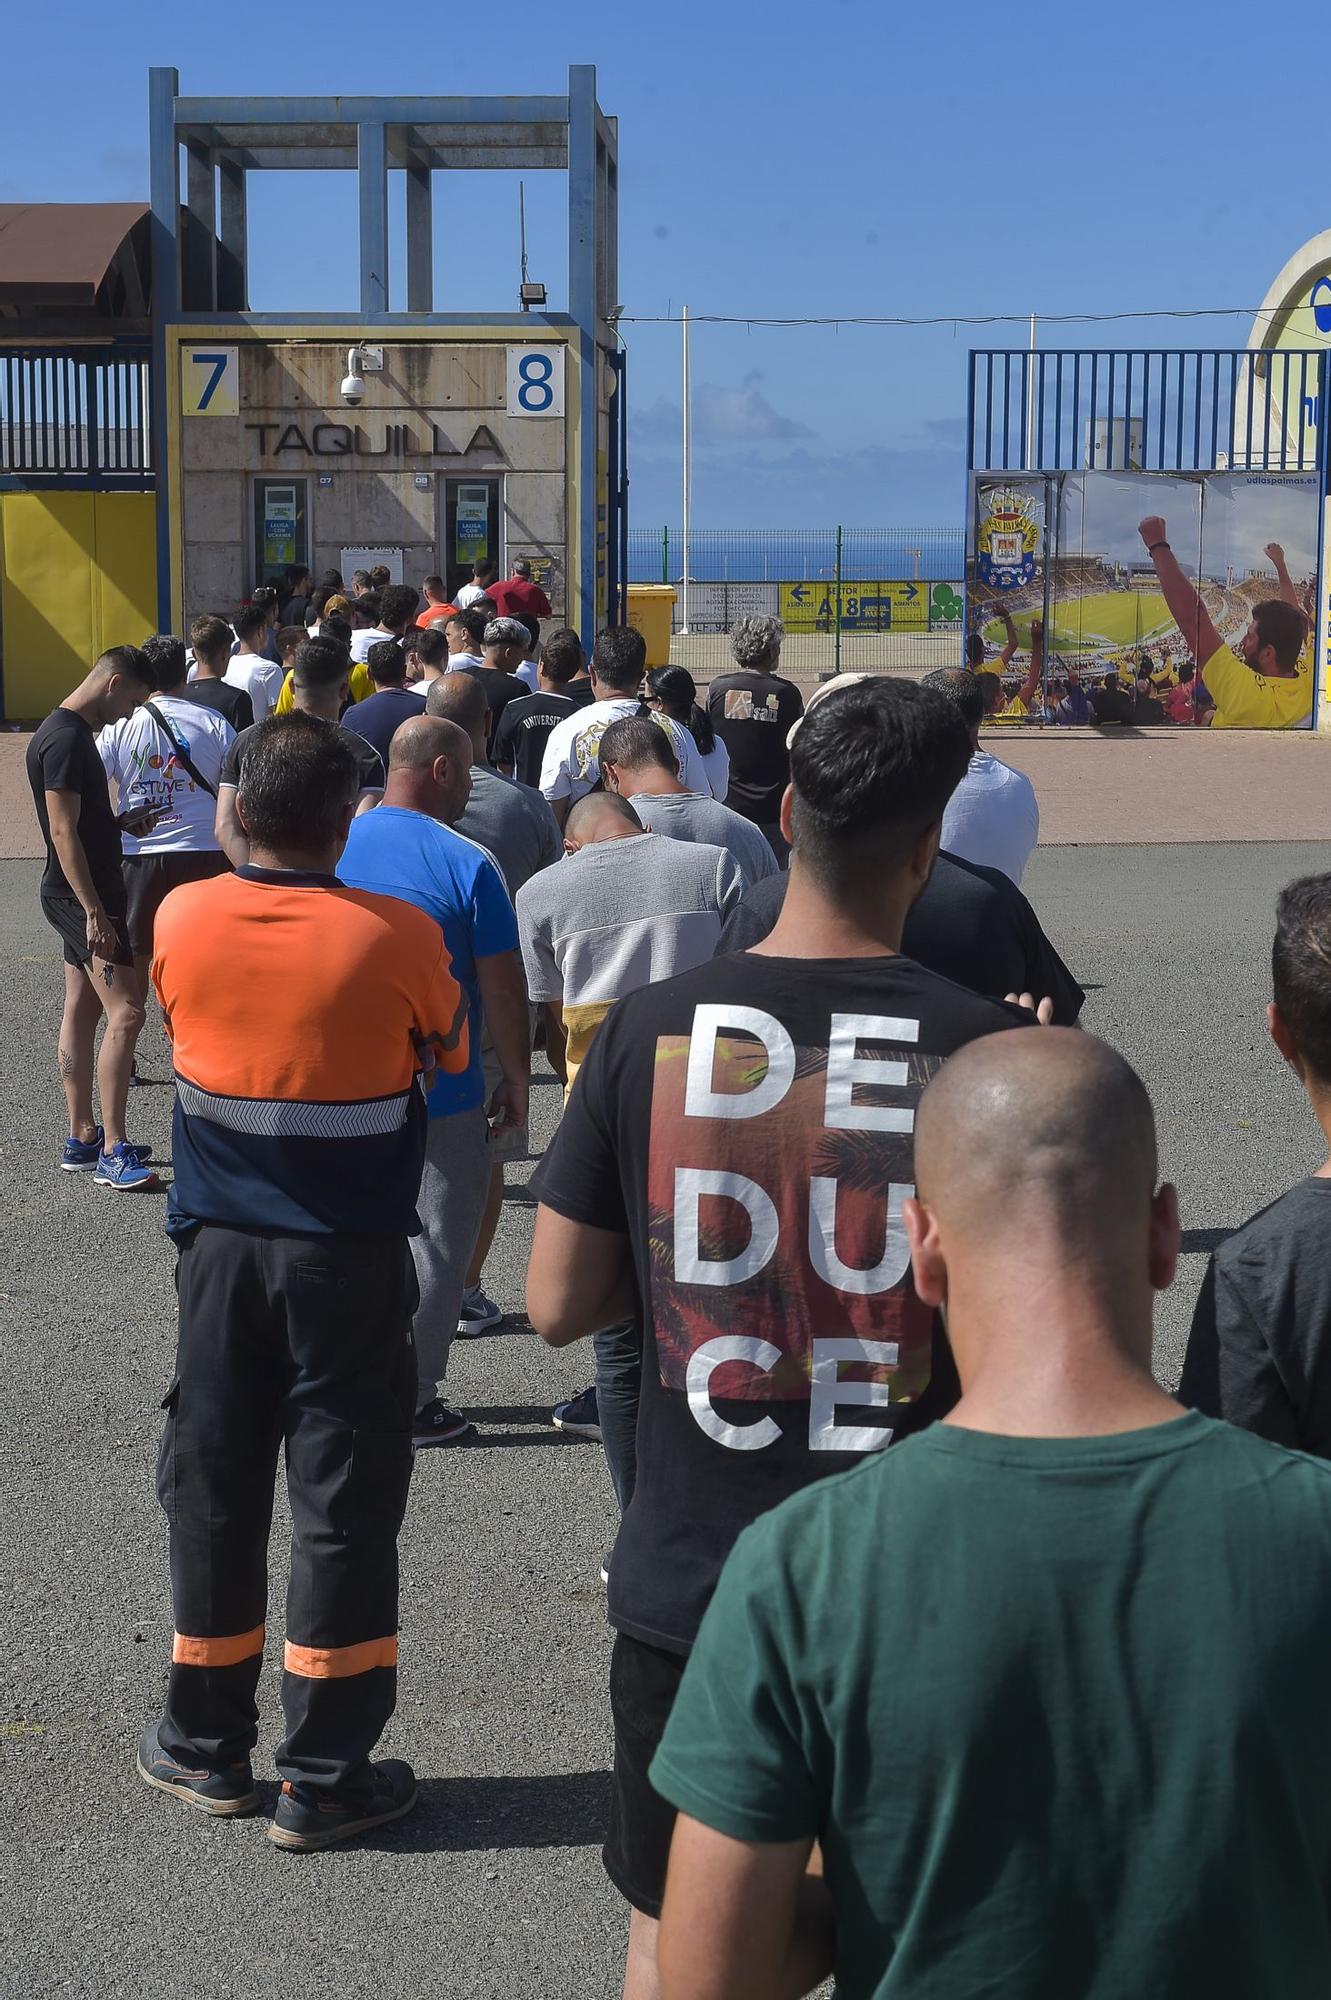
x: 494, y: 1886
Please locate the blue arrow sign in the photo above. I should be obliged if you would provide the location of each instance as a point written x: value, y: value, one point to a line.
x: 912, y: 591
x: 799, y: 593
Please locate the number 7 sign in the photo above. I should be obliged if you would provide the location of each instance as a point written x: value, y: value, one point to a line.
x: 209, y: 382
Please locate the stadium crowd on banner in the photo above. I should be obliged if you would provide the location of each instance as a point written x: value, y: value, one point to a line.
x: 836, y: 1171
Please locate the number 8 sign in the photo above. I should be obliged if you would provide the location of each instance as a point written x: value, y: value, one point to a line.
x: 536, y: 381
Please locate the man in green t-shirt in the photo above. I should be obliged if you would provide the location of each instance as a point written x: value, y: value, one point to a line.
x: 1047, y: 1682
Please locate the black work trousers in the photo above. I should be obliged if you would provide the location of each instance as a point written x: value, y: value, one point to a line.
x: 303, y: 1341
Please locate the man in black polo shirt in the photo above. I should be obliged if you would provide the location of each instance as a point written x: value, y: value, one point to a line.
x: 524, y: 727
x: 83, y: 899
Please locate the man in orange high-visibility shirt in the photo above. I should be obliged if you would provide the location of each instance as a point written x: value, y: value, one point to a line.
x: 298, y: 1144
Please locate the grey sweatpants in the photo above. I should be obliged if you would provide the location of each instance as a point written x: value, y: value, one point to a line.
x: 454, y: 1185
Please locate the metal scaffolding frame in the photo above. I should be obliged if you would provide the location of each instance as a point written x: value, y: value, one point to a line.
x: 200, y: 254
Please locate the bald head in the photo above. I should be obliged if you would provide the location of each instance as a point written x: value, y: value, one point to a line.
x: 1039, y: 1230
x: 421, y: 739
x: 1036, y: 1122
x: 460, y: 698
x: 600, y: 816
x: 429, y: 768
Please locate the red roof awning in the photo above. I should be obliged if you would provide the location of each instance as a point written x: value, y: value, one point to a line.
x: 59, y: 252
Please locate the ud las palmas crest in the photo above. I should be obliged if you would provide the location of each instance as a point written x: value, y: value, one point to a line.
x: 1007, y: 539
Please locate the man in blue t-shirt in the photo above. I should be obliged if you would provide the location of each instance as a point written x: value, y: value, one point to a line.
x: 406, y: 848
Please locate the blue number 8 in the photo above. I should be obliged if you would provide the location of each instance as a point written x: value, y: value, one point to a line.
x: 536, y: 393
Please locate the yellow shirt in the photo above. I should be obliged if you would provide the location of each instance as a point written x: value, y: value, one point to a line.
x: 1014, y: 710
x: 362, y: 687
x: 1245, y: 700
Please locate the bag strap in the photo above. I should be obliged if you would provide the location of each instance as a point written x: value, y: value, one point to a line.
x: 180, y: 748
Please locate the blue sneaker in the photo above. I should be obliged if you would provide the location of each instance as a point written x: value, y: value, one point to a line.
x: 122, y: 1169
x: 81, y: 1155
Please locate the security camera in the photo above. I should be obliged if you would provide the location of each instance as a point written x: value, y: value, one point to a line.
x: 353, y: 382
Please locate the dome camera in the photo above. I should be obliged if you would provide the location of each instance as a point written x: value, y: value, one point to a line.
x: 353, y: 382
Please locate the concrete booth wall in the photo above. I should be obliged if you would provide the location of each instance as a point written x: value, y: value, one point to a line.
x: 384, y: 475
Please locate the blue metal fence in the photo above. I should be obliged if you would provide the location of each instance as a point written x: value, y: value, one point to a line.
x: 76, y: 417
x: 1037, y: 419
x: 1147, y: 410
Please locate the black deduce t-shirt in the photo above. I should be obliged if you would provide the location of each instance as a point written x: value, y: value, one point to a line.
x: 749, y: 1126
x: 753, y: 715
x: 63, y: 757
x: 1259, y: 1353
x: 971, y: 924
x: 368, y: 761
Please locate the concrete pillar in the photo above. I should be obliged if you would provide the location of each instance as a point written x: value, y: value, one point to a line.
x: 233, y: 255
x: 420, y: 237
x: 372, y: 166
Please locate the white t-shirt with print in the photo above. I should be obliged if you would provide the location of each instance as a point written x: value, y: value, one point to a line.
x: 571, y: 767
x: 369, y: 635
x: 141, y: 759
x: 261, y: 680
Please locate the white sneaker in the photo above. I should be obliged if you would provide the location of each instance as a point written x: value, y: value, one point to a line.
x: 478, y: 1314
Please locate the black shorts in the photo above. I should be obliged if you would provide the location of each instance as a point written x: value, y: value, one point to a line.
x: 68, y: 918
x: 644, y: 1681
x: 149, y: 880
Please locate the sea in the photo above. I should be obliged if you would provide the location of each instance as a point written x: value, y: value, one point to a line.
x: 789, y: 555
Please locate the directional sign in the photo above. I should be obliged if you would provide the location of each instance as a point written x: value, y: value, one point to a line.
x: 865, y: 607
x: 209, y: 381
x: 714, y: 607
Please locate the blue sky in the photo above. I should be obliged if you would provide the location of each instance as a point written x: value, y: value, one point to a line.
x: 850, y: 158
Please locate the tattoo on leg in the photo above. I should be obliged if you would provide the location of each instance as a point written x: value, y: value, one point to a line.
x: 69, y: 1065
x: 108, y: 975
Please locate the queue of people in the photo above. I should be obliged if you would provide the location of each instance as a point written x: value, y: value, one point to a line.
x: 903, y: 1560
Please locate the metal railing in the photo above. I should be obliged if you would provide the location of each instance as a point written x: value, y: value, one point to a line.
x: 1144, y: 410
x: 851, y: 599
x: 76, y: 417
x: 1180, y: 430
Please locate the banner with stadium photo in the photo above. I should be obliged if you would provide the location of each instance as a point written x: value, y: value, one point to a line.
x: 1185, y: 601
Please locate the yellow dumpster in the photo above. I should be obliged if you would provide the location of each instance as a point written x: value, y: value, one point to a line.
x: 652, y: 612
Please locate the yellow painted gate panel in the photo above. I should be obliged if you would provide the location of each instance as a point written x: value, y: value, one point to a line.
x: 78, y: 573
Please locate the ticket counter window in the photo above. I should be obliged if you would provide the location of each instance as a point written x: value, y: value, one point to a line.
x: 281, y: 527
x: 471, y: 527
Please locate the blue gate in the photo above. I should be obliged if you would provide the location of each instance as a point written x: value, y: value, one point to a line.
x: 1231, y: 445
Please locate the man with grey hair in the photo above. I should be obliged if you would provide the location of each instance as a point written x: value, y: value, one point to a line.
x: 993, y: 817
x: 753, y: 711
x: 505, y: 647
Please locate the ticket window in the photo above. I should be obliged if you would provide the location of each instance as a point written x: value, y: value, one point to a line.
x: 281, y: 527
x: 471, y: 527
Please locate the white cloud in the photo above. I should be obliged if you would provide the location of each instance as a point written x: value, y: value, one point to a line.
x: 720, y: 416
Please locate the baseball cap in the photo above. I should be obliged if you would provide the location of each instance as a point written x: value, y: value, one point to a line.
x: 819, y: 693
